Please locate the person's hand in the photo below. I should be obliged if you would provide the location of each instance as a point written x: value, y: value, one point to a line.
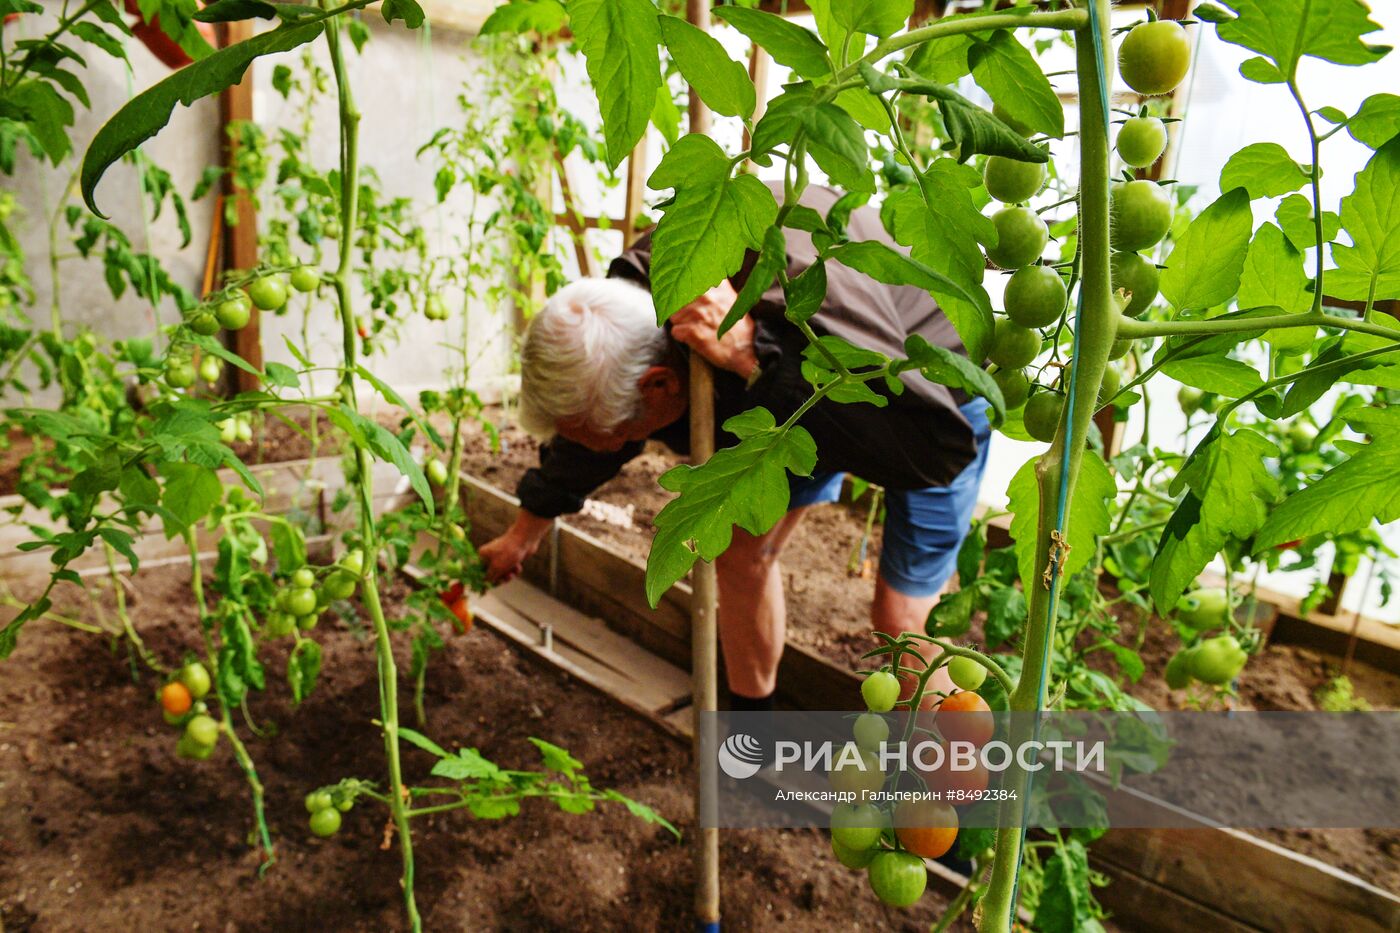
x: 505, y: 556
x: 697, y: 323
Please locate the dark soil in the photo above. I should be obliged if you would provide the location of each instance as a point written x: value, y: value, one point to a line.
x: 828, y: 612
x: 103, y: 827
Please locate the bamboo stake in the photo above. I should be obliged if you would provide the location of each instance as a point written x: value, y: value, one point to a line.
x: 706, y: 589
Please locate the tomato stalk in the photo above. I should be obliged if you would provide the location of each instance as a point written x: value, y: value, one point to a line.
x: 364, y: 480
x: 1096, y: 325
x: 240, y: 752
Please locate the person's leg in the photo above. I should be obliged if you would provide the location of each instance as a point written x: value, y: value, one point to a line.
x: 752, y: 611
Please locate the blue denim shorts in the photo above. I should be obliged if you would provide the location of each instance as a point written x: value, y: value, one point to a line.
x: 923, y: 527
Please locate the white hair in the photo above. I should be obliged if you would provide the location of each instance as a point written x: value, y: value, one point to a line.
x: 584, y: 353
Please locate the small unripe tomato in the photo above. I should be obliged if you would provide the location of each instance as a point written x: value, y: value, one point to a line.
x: 305, y: 278
x: 234, y: 312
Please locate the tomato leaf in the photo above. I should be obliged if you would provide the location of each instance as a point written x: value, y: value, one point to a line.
x: 145, y: 114
x: 1088, y: 517
x: 407, y: 10
x: 968, y: 308
x: 707, y: 226
x: 1218, y: 374
x: 191, y: 490
x: 1010, y: 75
x: 1204, y: 268
x: 833, y: 138
x: 1377, y: 122
x: 545, y: 17
x: 1286, y: 30
x: 1295, y: 218
x: 772, y: 260
x: 1066, y: 899
x: 1351, y: 495
x: 619, y: 40
x: 414, y: 737
x: 787, y: 42
x: 943, y: 366
x: 940, y: 223
x: 1273, y: 274
x: 744, y: 485
x: 721, y: 82
x: 1370, y: 267
x: 1230, y: 492
x: 303, y: 667
x: 943, y: 60
x: 556, y: 758
x: 384, y: 445
x: 1265, y: 170
x: 873, y: 17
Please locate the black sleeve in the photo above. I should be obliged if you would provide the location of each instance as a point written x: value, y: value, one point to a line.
x: 567, y: 473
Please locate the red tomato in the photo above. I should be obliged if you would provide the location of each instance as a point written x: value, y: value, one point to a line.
x: 461, y: 608
x: 162, y: 46
x: 175, y: 698
x: 971, y: 721
x: 925, y: 827
x: 451, y: 594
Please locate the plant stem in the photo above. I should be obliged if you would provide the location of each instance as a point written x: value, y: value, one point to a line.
x: 388, y: 670
x: 1096, y: 324
x: 1130, y: 328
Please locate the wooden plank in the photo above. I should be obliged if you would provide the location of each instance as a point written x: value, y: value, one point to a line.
x: 241, y: 243
x: 1151, y: 908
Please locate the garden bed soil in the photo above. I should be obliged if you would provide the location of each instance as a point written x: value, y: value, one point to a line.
x: 828, y: 612
x: 103, y: 827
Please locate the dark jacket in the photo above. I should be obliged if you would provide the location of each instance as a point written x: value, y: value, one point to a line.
x: 920, y: 439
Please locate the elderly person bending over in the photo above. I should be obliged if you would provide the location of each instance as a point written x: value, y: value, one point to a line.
x: 599, y: 378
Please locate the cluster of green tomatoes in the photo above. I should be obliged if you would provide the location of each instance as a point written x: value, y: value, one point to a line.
x: 325, y: 806
x: 182, y: 700
x: 1215, y: 661
x: 298, y: 605
x: 1153, y: 59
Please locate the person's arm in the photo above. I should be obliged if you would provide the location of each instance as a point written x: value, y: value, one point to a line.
x: 504, y: 556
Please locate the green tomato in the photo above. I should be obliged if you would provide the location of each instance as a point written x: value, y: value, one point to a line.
x: 437, y: 472
x: 1042, y: 415
x: 305, y: 278
x: 234, y: 312
x: 1012, y: 180
x: 325, y: 822
x: 304, y: 578
x: 308, y: 621
x: 1204, y: 609
x: 1140, y: 214
x: 966, y: 673
x: 856, y: 826
x: 1021, y: 237
x: 174, y: 719
x: 339, y: 585
x: 435, y: 309
x: 204, y: 322
x: 195, y: 677
x: 319, y: 800
x: 870, y: 730
x: 1119, y: 349
x: 210, y: 369
x: 268, y: 293
x: 1154, y: 56
x: 880, y: 691
x: 1218, y: 660
x: 1015, y: 387
x: 1112, y: 381
x: 1302, y: 437
x: 203, y: 730
x: 354, y: 561
x: 898, y: 878
x: 179, y: 375
x: 1190, y: 399
x: 279, y: 624
x: 228, y: 430
x: 1178, y: 670
x: 1035, y: 296
x: 1138, y: 277
x: 301, y: 601
x: 1141, y: 141
x: 187, y: 748
x: 849, y: 777
x: 1013, y: 346
x: 245, y: 431
x: 852, y: 858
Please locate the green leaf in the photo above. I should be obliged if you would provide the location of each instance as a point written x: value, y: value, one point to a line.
x: 720, y: 81
x: 1273, y: 274
x: 1265, y: 170
x: 95, y: 34
x: 288, y: 545
x: 943, y: 60
x: 943, y: 366
x: 1007, y: 614
x: 619, y: 40
x: 556, y: 758
x: 666, y: 116
x: 303, y: 667
x: 46, y: 114
x: 1088, y: 516
x: 1377, y: 122
x: 467, y: 765
x: 969, y: 310
x: 744, y: 485
x: 414, y: 737
x: 145, y: 114
x: 1261, y: 71
x: 787, y: 42
x: 1204, y: 267
x: 1286, y: 30
x: 191, y: 490
x: 1350, y: 496
x: 407, y: 10
x: 951, y: 616
x: 940, y: 223
x: 1295, y: 217
x: 1230, y: 492
x: 1370, y: 267
x: 282, y: 376
x: 384, y: 445
x: 1066, y: 902
x: 804, y: 294
x: 1010, y: 75
x: 231, y: 11
x: 1218, y: 374
x: 707, y: 226
x: 641, y: 811
x: 873, y: 17
x: 390, y: 395
x: 833, y: 138
x: 545, y: 17
x: 772, y: 260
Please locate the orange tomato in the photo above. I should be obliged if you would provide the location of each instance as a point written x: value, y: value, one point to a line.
x: 175, y: 698
x: 971, y: 719
x: 462, y: 609
x: 925, y: 827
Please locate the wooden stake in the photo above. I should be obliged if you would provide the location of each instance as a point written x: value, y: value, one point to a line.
x: 706, y: 600
x: 636, y: 187
x: 241, y: 244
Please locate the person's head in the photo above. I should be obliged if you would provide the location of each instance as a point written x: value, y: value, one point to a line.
x: 596, y: 369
